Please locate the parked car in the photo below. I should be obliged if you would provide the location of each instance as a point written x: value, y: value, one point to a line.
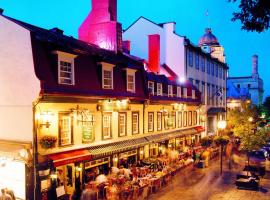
x: 255, y: 170
x: 257, y: 158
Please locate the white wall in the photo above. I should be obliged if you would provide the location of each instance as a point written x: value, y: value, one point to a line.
x: 19, y: 86
x: 171, y: 45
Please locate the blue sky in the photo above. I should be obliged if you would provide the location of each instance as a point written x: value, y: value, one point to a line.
x: 189, y: 16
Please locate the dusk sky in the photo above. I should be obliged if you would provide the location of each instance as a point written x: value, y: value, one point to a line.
x: 189, y: 16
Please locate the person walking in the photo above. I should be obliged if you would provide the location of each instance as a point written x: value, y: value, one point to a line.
x: 4, y: 195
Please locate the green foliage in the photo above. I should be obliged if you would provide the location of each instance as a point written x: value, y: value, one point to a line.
x: 238, y: 120
x: 206, y: 141
x: 253, y: 14
x: 266, y: 107
x: 221, y: 140
x: 254, y: 140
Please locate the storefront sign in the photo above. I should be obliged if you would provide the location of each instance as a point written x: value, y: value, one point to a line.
x: 87, y: 132
x: 95, y: 163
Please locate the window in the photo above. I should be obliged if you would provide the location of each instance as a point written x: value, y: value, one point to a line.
x: 212, y: 69
x: 216, y: 70
x: 208, y: 67
x: 131, y: 83
x: 213, y: 94
x: 135, y: 122
x: 122, y: 124
x: 220, y: 72
x: 107, y: 126
x: 170, y: 120
x: 185, y: 119
x: 208, y: 94
x: 65, y: 68
x: 107, y: 75
x: 217, y: 96
x: 159, y: 89
x: 66, y: 71
x: 191, y: 80
x: 107, y: 79
x: 189, y: 118
x: 197, y: 83
x: 185, y: 92
x: 195, y: 118
x: 65, y: 130
x: 179, y: 119
x: 151, y: 87
x: 203, y: 93
x: 197, y: 61
x: 224, y: 74
x: 179, y: 92
x: 190, y: 58
x: 203, y: 64
x: 150, y: 122
x: 159, y: 121
x: 170, y: 91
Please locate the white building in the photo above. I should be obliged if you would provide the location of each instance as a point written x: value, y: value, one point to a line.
x: 253, y: 83
x: 203, y: 65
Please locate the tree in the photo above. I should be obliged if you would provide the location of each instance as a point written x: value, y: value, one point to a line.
x: 253, y: 14
x: 237, y: 118
x: 266, y: 107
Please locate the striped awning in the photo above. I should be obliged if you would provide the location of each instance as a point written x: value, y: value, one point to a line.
x: 166, y: 136
x: 117, y: 147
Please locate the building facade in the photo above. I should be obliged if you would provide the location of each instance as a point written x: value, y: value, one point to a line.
x: 253, y: 84
x: 203, y: 65
x: 83, y: 108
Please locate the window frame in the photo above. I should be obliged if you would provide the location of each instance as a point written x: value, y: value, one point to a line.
x: 159, y: 89
x: 159, y: 116
x: 195, y: 118
x: 179, y: 91
x: 110, y: 68
x: 138, y: 122
x: 150, y: 128
x: 110, y: 127
x: 170, y: 90
x: 61, y: 115
x: 185, y: 119
x: 203, y: 64
x: 190, y: 58
x: 197, y: 61
x: 190, y: 118
x: 125, y: 124
x: 180, y: 119
x: 153, y: 88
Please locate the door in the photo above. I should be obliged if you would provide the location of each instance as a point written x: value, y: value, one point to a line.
x: 70, y: 178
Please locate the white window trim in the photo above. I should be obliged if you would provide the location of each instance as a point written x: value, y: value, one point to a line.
x: 159, y: 87
x: 109, y: 136
x: 131, y: 72
x: 150, y: 123
x: 193, y: 94
x: 107, y: 67
x: 153, y: 84
x: 170, y: 91
x: 179, y: 92
x: 66, y: 57
x: 185, y: 92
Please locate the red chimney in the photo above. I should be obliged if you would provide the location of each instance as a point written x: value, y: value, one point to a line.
x: 101, y: 27
x: 154, y: 53
x: 126, y: 46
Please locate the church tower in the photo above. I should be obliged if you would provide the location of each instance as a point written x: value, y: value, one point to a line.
x: 209, y: 43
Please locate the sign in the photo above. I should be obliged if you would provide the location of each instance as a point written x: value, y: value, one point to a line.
x: 60, y: 191
x: 87, y: 132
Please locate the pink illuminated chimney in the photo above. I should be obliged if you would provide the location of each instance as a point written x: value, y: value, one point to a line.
x: 154, y: 53
x: 101, y: 26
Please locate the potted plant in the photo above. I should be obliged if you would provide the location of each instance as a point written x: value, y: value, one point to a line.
x: 48, y: 141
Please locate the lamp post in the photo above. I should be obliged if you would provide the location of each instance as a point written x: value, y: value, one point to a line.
x: 250, y: 120
x: 221, y: 126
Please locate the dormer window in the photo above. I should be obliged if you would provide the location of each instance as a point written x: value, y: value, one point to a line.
x: 151, y: 87
x: 179, y: 95
x: 170, y: 91
x: 159, y: 89
x: 131, y: 80
x: 107, y: 76
x: 65, y: 68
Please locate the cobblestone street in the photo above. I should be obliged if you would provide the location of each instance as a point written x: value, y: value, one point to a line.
x: 207, y: 184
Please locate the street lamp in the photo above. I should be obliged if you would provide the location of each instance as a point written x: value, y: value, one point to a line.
x: 221, y: 126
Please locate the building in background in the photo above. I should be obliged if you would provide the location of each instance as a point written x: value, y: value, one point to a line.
x: 203, y: 65
x: 253, y: 84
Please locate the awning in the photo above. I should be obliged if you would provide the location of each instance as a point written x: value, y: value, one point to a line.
x: 64, y: 158
x: 199, y: 129
x: 166, y: 136
x: 216, y: 110
x: 116, y: 147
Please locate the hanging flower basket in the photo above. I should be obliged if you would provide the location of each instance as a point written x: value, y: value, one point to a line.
x: 47, y: 142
